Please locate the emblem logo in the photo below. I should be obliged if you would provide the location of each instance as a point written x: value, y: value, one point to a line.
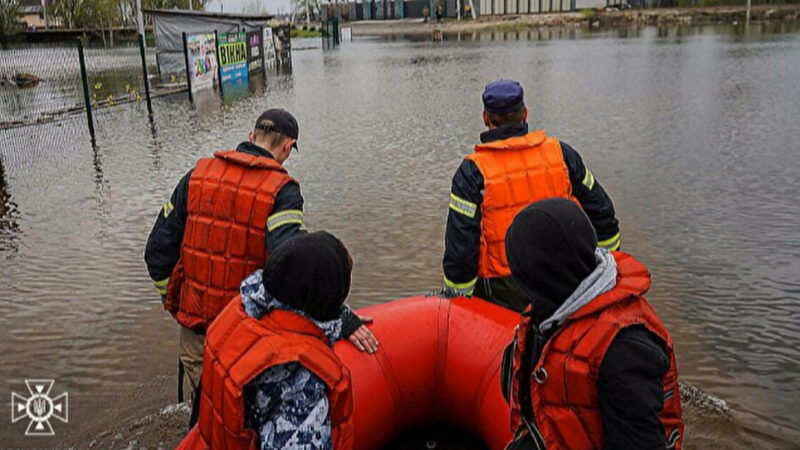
x: 39, y: 408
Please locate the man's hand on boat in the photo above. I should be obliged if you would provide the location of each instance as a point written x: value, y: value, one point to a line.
x: 363, y: 338
x: 446, y: 292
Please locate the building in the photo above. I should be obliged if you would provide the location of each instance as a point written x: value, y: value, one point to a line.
x: 34, y: 14
x: 402, y: 9
x: 170, y: 25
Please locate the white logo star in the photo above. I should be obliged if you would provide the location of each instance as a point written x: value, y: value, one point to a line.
x: 39, y: 407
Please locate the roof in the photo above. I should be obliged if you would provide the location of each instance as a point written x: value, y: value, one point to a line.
x: 183, y: 12
x: 31, y: 9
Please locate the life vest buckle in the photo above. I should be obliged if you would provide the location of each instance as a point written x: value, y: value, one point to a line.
x: 540, y: 375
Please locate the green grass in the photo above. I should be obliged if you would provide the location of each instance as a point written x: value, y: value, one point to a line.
x: 300, y: 33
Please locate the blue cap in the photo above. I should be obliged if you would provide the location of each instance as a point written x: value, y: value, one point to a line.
x: 503, y: 96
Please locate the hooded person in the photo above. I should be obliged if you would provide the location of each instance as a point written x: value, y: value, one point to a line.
x: 270, y: 378
x: 591, y: 364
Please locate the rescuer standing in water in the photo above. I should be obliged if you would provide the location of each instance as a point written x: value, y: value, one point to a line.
x: 591, y: 365
x: 509, y: 170
x: 220, y: 224
x: 271, y: 379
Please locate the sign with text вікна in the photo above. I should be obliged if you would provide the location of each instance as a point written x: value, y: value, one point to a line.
x: 202, y: 48
x: 255, y: 63
x: 233, y: 58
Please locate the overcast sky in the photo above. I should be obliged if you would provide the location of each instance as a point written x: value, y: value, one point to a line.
x: 241, y: 5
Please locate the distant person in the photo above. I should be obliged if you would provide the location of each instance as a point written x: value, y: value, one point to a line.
x: 221, y: 223
x: 510, y: 169
x: 592, y: 365
x: 439, y: 12
x: 271, y: 379
x: 467, y: 11
x: 426, y: 11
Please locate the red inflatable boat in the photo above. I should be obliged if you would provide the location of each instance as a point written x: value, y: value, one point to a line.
x: 438, y: 361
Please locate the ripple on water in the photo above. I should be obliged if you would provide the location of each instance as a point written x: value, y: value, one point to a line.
x: 694, y: 140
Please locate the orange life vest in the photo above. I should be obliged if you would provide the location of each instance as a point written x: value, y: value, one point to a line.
x: 563, y: 383
x: 516, y: 172
x: 230, y: 198
x: 238, y: 348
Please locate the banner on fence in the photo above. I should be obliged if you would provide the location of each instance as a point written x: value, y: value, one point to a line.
x: 255, y: 61
x: 202, y: 48
x: 233, y: 58
x: 269, y: 49
x: 283, y: 46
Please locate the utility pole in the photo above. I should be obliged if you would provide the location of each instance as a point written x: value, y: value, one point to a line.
x: 46, y: 19
x: 139, y: 17
x: 747, y: 19
x: 308, y: 14
x: 142, y: 46
x: 472, y: 9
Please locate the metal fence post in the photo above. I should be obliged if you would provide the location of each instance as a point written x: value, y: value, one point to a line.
x: 188, y: 69
x: 219, y: 63
x: 146, y: 78
x: 335, y: 31
x: 85, y: 80
x: 263, y: 52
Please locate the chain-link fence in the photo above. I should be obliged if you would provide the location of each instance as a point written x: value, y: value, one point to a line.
x: 42, y: 83
x: 115, y: 75
x: 39, y: 83
x: 46, y: 82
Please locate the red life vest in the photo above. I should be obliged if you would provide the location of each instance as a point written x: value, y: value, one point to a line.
x: 230, y: 198
x: 516, y: 172
x: 563, y: 383
x: 238, y: 348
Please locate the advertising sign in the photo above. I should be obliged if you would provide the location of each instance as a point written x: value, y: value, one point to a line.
x: 269, y: 49
x: 283, y: 47
x: 255, y: 61
x: 202, y: 48
x: 233, y: 57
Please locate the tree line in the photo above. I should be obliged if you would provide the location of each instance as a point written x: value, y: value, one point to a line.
x: 86, y: 14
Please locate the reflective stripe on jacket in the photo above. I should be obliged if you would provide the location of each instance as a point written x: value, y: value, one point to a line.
x: 229, y: 202
x: 516, y: 172
x: 563, y: 392
x: 238, y: 348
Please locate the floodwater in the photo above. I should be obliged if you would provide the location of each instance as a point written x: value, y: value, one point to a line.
x: 692, y: 130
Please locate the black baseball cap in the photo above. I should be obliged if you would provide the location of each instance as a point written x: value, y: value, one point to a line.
x: 283, y: 122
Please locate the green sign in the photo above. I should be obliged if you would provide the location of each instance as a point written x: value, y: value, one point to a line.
x: 233, y: 57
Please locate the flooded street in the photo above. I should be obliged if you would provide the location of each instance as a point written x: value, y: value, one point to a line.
x: 693, y: 131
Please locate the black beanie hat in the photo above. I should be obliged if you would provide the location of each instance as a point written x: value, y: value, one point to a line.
x: 310, y: 272
x: 550, y: 247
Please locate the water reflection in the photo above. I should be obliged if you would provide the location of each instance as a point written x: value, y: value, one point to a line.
x: 693, y: 138
x: 9, y: 228
x: 155, y: 145
x: 763, y: 31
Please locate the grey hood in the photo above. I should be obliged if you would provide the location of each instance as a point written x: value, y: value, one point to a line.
x: 601, y: 280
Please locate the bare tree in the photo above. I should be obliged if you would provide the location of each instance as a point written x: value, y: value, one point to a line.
x: 256, y: 7
x: 9, y: 18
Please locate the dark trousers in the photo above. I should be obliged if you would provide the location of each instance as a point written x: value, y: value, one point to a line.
x: 502, y: 291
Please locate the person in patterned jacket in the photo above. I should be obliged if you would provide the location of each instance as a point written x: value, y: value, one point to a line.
x: 295, y: 392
